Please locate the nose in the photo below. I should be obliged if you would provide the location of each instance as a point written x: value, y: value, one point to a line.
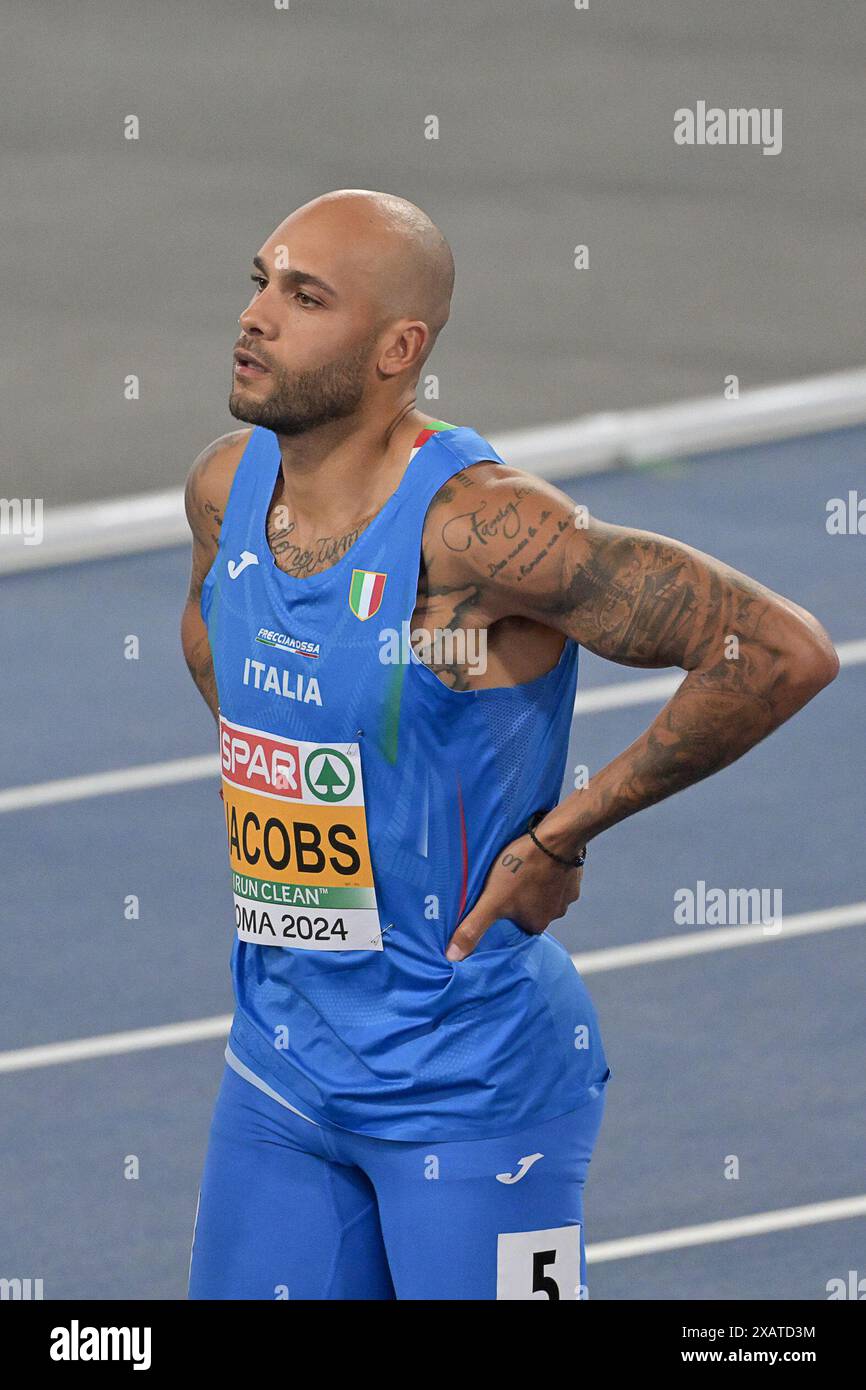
x: 254, y: 321
x: 248, y: 324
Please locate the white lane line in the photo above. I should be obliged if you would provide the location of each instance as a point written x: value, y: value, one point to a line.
x: 115, y: 1044
x: 615, y: 958
x: 638, y: 692
x: 719, y: 939
x: 622, y: 693
x: 147, y: 775
x: 125, y: 779
x: 786, y: 1219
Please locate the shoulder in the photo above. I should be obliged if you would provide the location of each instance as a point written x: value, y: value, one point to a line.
x: 490, y: 521
x: 486, y: 486
x: 210, y: 479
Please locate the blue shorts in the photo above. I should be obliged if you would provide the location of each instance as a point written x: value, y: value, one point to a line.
x: 289, y: 1209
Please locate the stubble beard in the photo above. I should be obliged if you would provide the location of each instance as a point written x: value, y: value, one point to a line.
x: 303, y: 401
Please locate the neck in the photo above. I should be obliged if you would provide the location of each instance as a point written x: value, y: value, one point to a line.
x: 344, y: 471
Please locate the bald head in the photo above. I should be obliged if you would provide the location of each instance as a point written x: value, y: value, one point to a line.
x: 352, y: 291
x: 404, y: 259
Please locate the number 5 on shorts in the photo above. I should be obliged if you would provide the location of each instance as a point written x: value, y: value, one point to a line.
x: 539, y: 1264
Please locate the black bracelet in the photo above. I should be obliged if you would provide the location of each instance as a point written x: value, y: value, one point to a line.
x: 569, y: 863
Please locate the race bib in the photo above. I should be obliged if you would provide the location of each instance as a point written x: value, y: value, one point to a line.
x: 539, y: 1264
x: 297, y: 835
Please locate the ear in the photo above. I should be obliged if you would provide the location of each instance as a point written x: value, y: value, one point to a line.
x: 406, y: 344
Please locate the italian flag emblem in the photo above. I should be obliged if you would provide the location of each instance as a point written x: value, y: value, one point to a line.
x: 365, y: 593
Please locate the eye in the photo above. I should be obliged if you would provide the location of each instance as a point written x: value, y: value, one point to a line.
x: 259, y: 280
x: 308, y: 298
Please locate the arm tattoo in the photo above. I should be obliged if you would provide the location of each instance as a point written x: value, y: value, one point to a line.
x: 205, y: 520
x: 641, y: 600
x: 200, y: 666
x: 448, y: 604
x: 452, y: 609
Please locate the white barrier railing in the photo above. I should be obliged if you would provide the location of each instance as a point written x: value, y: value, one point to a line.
x: 593, y: 443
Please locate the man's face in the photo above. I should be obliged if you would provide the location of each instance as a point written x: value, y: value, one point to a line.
x: 307, y: 345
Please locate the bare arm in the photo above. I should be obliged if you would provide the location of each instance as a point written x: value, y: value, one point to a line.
x: 207, y: 490
x: 752, y: 657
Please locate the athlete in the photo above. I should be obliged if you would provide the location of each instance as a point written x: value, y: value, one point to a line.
x: 385, y: 619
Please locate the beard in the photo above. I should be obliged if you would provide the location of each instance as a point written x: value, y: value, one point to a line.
x: 301, y: 401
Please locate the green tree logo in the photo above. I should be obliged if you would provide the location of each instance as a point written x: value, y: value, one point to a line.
x: 330, y: 774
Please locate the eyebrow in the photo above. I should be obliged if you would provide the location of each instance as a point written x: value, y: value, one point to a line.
x: 296, y: 277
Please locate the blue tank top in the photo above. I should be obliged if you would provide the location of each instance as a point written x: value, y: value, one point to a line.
x: 365, y: 802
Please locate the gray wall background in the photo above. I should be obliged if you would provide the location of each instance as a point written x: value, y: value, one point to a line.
x: 556, y: 128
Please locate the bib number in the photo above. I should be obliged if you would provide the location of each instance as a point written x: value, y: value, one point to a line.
x: 296, y: 824
x: 539, y: 1264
